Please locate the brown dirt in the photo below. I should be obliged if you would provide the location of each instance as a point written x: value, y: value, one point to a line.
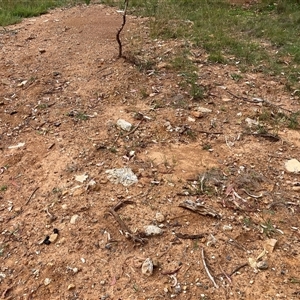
x: 62, y: 91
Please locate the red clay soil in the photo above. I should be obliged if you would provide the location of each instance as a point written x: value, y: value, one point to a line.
x: 62, y: 91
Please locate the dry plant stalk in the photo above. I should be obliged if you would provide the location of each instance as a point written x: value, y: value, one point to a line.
x: 121, y: 28
x: 207, y: 271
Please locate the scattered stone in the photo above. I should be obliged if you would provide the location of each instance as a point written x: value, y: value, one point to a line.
x: 53, y: 237
x: 82, y: 260
x: 159, y: 217
x: 71, y: 286
x: 296, y: 188
x: 47, y: 281
x: 227, y: 227
x: 78, y: 192
x: 152, y: 230
x: 251, y: 122
x: 64, y: 206
x: 190, y: 119
x: 126, y: 126
x: 75, y: 270
x: 147, y: 267
x: 81, y: 178
x: 74, y: 219
x: 197, y: 114
x: 203, y: 109
x: 262, y: 265
x: 292, y: 165
x: 125, y: 176
x: 19, y: 145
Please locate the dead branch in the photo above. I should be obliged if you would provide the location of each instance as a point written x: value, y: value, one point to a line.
x: 199, y: 208
x: 189, y: 236
x: 121, y: 28
x: 238, y: 268
x: 258, y: 100
x: 207, y: 271
x: 128, y: 233
x: 32, y: 194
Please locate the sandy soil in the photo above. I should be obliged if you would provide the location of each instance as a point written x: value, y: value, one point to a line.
x: 62, y: 91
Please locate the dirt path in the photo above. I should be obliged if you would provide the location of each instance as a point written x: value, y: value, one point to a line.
x: 62, y: 91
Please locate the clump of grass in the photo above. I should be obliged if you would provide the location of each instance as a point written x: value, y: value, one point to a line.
x: 14, y: 11
x: 262, y: 36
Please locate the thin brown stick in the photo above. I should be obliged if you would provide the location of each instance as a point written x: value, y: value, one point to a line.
x: 135, y: 128
x: 224, y: 273
x: 207, y: 271
x: 32, y: 194
x: 128, y: 233
x: 121, y: 28
x: 189, y: 236
x: 256, y: 101
x: 238, y: 268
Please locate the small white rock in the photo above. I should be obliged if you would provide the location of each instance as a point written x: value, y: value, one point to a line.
x: 147, y: 267
x: 159, y: 217
x: 227, y: 227
x: 47, y: 281
x: 292, y: 165
x: 124, y: 125
x: 203, y: 109
x: 152, y: 230
x: 74, y: 219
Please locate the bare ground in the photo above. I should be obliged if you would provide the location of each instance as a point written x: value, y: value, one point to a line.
x: 62, y: 90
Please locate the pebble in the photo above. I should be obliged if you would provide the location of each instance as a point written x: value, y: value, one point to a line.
x: 292, y: 165
x: 262, y: 265
x: 53, y: 237
x: 71, y: 286
x: 147, y: 267
x: 47, y: 281
x: 227, y: 227
x: 124, y: 125
x: 203, y: 109
x: 152, y: 230
x: 159, y: 217
x: 74, y: 219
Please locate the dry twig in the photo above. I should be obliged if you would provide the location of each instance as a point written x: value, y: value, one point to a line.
x: 128, y: 233
x: 207, y: 271
x: 32, y: 194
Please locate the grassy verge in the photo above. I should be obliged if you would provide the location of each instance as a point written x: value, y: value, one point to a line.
x: 263, y: 37
x: 12, y: 11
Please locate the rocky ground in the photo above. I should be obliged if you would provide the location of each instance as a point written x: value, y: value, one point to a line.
x: 210, y: 175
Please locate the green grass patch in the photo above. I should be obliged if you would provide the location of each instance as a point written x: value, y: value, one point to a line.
x: 263, y: 37
x: 13, y: 11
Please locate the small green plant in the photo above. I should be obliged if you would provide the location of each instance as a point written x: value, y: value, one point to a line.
x: 236, y: 77
x: 56, y: 190
x: 206, y: 146
x: 3, y: 188
x: 82, y: 116
x: 268, y: 228
x: 293, y: 122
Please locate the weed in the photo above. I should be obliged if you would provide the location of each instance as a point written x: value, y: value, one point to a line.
x: 236, y: 77
x: 56, y: 190
x: 82, y: 116
x: 206, y: 147
x: 3, y: 188
x: 268, y: 228
x: 293, y: 122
